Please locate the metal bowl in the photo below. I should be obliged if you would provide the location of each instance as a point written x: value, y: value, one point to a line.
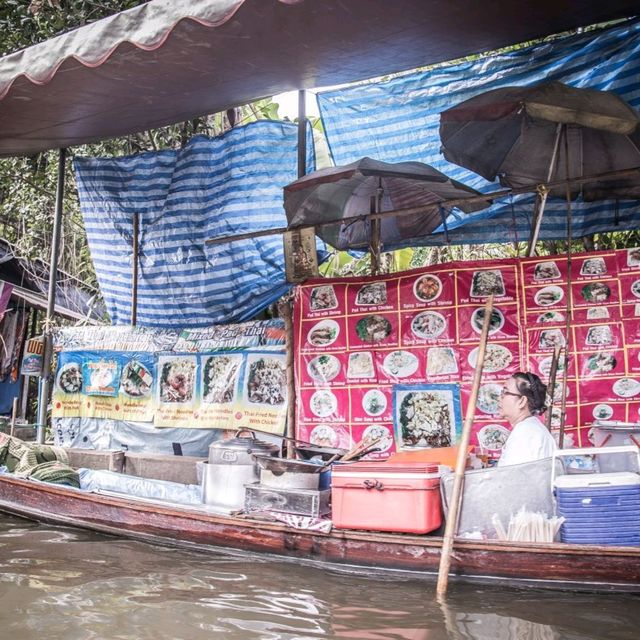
x: 278, y: 466
x: 306, y: 452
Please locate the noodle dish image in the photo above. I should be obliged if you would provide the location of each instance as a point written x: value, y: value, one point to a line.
x: 177, y: 378
x: 323, y: 297
x: 372, y: 294
x: 485, y: 283
x: 220, y: 378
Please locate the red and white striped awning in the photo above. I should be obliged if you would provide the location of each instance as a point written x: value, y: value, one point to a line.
x: 168, y: 61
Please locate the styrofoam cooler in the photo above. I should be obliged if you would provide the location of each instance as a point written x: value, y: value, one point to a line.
x: 599, y: 508
x: 400, y: 497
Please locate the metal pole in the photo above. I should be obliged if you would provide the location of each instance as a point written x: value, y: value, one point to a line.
x: 552, y: 383
x: 134, y: 275
x: 43, y: 399
x: 543, y: 192
x: 302, y: 133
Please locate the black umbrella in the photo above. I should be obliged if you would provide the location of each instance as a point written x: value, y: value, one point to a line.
x: 343, y: 195
x: 514, y: 134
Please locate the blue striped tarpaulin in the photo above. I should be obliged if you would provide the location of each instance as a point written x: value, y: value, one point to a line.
x: 213, y: 187
x: 398, y: 120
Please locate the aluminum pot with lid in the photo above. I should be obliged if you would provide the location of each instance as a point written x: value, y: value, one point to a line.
x: 231, y: 467
x: 238, y: 449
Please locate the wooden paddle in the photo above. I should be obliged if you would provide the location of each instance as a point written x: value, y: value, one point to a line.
x: 456, y: 497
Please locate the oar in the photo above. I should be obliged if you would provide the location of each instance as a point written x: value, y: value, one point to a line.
x: 456, y: 497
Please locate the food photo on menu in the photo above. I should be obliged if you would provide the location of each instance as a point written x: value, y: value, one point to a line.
x: 426, y: 416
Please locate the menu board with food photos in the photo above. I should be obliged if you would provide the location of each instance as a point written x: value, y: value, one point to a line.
x: 216, y: 377
x: 360, y: 341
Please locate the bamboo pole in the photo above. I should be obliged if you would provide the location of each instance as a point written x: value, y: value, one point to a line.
x: 14, y: 416
x: 609, y: 175
x: 134, y: 274
x: 456, y: 497
x: 569, y: 314
x: 552, y: 382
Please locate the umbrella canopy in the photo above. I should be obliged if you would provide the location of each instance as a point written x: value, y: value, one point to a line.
x: 511, y: 133
x: 345, y: 193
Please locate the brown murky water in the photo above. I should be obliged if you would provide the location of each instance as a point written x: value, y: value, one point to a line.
x: 74, y: 585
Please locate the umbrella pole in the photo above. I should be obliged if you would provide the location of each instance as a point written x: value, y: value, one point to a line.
x: 563, y: 415
x: 458, y: 482
x: 376, y: 205
x: 542, y: 193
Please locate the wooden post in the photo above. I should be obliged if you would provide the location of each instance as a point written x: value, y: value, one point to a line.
x: 286, y: 313
x: 134, y: 274
x: 456, y: 497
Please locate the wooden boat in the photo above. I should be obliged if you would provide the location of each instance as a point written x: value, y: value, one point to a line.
x: 559, y: 566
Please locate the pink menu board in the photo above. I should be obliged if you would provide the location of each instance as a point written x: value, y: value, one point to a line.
x: 357, y: 340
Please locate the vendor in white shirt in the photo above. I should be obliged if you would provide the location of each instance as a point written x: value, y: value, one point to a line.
x: 522, y: 400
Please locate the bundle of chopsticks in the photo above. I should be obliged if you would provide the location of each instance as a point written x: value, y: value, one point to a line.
x: 528, y: 526
x: 361, y: 449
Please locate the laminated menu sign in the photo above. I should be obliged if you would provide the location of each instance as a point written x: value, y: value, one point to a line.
x: 475, y: 283
x: 371, y: 405
x: 428, y: 327
x: 369, y: 297
x: 324, y: 300
x: 176, y: 390
x: 628, y: 260
x: 500, y: 360
x: 220, y: 389
x: 321, y: 335
x: 67, y: 398
x: 241, y: 384
x: 136, y: 388
x: 400, y: 365
x: 433, y: 289
x: 263, y: 401
x: 426, y: 416
x: 503, y: 325
x: 366, y: 336
x: 373, y: 330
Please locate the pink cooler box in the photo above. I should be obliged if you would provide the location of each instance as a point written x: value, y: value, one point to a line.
x: 400, y: 497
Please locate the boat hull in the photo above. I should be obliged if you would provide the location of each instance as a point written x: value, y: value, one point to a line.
x: 560, y: 566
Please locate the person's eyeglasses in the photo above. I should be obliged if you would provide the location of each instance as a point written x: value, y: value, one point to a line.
x: 506, y: 392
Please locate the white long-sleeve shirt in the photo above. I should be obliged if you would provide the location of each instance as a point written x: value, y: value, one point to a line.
x: 529, y: 440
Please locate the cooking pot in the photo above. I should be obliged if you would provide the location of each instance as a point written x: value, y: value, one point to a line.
x: 230, y: 467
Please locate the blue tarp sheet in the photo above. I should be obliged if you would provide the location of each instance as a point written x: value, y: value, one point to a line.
x: 398, y: 120
x: 213, y: 187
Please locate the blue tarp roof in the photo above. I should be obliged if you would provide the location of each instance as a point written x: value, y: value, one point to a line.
x: 398, y: 120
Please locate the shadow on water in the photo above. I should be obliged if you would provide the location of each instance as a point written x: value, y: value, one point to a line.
x: 76, y: 585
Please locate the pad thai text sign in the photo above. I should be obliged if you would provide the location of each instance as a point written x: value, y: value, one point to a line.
x: 359, y: 341
x: 226, y: 389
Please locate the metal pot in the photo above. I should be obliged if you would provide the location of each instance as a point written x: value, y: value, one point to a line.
x: 230, y: 467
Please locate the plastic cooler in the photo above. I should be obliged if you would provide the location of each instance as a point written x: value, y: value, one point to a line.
x: 400, y: 497
x: 599, y: 508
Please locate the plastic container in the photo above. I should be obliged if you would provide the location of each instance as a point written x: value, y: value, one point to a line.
x: 599, y: 508
x: 399, y: 497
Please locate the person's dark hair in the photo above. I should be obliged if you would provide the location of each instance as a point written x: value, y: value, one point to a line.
x: 533, y: 389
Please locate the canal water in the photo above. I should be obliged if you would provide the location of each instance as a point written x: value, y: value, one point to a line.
x: 58, y: 583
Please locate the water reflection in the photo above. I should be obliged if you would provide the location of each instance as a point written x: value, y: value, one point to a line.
x: 71, y: 584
